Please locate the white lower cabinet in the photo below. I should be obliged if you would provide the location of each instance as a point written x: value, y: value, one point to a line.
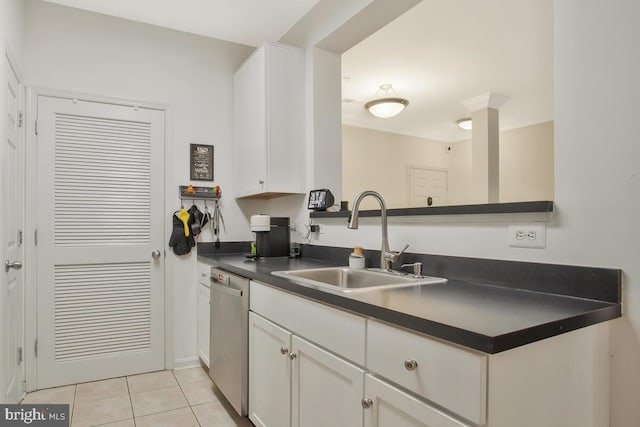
x: 326, y: 390
x: 452, y: 377
x: 313, y: 365
x: 203, y: 313
x: 388, y: 406
x: 295, y: 383
x: 269, y: 373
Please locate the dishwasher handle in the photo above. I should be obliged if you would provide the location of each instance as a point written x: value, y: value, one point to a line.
x: 215, y: 286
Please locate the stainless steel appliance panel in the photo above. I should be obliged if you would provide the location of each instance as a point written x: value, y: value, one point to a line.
x: 229, y: 345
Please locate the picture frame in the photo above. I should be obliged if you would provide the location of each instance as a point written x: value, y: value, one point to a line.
x: 201, y: 162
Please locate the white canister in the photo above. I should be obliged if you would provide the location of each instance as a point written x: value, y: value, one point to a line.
x: 260, y: 222
x: 356, y: 258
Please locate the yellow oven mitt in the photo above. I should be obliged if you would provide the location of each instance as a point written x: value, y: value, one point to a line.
x: 183, y: 216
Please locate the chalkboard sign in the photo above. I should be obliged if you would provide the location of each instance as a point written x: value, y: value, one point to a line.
x: 201, y: 162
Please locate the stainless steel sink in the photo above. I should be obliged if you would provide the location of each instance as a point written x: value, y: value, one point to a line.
x: 346, y: 280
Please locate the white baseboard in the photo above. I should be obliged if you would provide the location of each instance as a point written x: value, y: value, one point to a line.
x: 186, y: 362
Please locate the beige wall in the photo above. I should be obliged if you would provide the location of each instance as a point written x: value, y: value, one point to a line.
x: 375, y: 160
x: 526, y: 163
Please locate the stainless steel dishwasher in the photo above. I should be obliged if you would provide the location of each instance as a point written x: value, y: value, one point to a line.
x: 229, y: 345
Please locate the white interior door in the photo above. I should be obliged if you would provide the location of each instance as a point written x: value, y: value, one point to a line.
x: 424, y: 183
x: 99, y: 222
x: 11, y: 275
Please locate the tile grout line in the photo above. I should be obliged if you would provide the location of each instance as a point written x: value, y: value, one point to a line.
x: 133, y: 414
x: 185, y: 396
x: 75, y: 393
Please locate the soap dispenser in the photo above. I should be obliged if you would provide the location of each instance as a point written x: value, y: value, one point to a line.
x: 356, y: 258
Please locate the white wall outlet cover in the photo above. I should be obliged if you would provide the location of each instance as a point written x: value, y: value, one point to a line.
x: 528, y: 235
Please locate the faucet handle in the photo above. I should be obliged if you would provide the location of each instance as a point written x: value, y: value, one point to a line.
x: 393, y: 255
x: 417, y: 268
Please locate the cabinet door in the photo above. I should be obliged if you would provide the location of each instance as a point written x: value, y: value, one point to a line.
x: 391, y: 407
x: 326, y: 390
x: 249, y: 126
x: 269, y: 373
x: 203, y: 322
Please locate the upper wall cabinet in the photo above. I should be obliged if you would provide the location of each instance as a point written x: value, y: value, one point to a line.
x: 268, y: 127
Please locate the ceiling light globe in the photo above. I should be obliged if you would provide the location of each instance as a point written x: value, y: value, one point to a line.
x: 465, y: 124
x: 386, y: 107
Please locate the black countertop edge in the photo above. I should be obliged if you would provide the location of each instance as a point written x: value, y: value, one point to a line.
x: 545, y: 206
x: 452, y: 334
x: 552, y: 329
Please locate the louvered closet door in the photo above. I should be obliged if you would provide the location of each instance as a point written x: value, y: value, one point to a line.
x: 100, y: 216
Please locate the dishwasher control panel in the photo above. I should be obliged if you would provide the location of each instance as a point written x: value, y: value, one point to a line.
x: 219, y: 277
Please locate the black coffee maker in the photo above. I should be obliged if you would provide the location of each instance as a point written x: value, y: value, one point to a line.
x: 272, y: 236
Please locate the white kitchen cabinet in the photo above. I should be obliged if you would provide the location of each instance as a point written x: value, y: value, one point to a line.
x: 388, y: 406
x: 203, y: 313
x: 415, y: 380
x: 450, y: 376
x: 269, y: 373
x: 292, y: 382
x: 326, y: 390
x: 268, y: 122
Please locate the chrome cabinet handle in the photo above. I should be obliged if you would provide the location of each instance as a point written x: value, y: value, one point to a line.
x: 292, y: 356
x: 203, y: 274
x: 410, y: 365
x: 366, y: 403
x: 284, y: 350
x: 16, y: 265
x: 261, y: 182
x: 155, y: 254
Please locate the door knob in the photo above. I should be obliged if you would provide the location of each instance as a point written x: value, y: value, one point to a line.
x: 292, y: 356
x: 155, y: 254
x: 284, y: 350
x: 16, y: 265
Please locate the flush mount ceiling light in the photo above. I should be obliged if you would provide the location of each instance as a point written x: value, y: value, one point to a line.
x: 388, y: 104
x: 464, y: 123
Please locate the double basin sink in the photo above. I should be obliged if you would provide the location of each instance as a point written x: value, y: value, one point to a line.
x: 346, y: 280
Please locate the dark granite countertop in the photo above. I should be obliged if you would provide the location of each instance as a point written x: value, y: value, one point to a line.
x: 484, y: 317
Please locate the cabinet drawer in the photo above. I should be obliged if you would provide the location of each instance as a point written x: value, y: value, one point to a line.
x: 340, y: 332
x: 449, y: 376
x: 203, y: 273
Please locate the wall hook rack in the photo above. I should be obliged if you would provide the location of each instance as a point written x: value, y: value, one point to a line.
x: 199, y: 193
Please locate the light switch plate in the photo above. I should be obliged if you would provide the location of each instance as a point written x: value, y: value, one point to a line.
x: 528, y: 236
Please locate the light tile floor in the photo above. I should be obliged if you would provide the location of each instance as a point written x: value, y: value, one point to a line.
x: 183, y: 398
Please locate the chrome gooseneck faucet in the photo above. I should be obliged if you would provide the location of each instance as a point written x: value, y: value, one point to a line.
x: 387, y: 257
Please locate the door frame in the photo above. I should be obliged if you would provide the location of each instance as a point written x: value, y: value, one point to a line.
x: 409, y: 166
x: 30, y: 220
x: 11, y: 60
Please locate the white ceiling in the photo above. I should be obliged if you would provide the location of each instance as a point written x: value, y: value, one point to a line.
x: 248, y: 22
x: 443, y: 52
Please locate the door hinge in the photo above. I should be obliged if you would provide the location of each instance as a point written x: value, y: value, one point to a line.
x: 19, y: 237
x: 36, y: 126
x: 35, y: 237
x: 35, y: 347
x: 19, y: 355
x: 20, y: 118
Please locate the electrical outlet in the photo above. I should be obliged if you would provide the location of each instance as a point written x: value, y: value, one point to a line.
x: 528, y: 236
